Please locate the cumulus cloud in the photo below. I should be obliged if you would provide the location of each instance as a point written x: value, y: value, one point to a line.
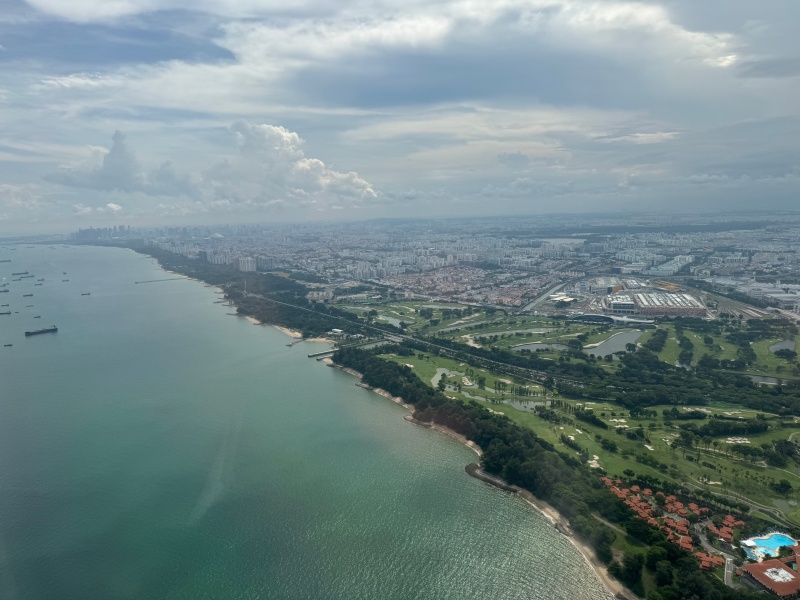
x: 272, y: 170
x: 269, y: 170
x: 562, y: 100
x: 120, y: 171
x: 21, y: 201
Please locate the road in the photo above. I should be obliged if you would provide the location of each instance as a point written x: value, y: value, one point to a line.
x: 730, y: 569
x: 730, y: 566
x: 530, y: 374
x: 777, y: 514
x: 541, y: 297
x: 611, y: 526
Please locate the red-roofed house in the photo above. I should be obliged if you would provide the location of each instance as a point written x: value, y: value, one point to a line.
x: 775, y: 576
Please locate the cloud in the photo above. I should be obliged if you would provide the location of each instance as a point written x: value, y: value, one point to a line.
x: 120, y: 171
x: 574, y: 102
x: 269, y: 171
x: 776, y: 67
x: 81, y: 210
x: 516, y: 161
x: 21, y: 201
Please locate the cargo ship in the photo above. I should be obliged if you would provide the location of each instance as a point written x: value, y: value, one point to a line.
x: 8, y: 312
x: 52, y: 329
x: 27, y: 295
x: 20, y: 273
x: 86, y: 294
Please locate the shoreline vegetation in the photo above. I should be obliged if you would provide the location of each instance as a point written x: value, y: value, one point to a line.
x: 549, y: 512
x: 286, y: 331
x: 551, y: 475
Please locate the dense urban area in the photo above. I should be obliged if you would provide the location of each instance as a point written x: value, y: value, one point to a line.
x: 639, y: 374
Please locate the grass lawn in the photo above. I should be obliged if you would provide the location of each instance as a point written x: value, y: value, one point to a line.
x: 653, y: 456
x: 767, y: 363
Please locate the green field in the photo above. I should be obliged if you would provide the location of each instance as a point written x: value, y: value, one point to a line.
x: 766, y: 363
x: 710, y: 465
x: 709, y: 462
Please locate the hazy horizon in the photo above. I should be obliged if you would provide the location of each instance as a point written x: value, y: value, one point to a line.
x: 205, y: 112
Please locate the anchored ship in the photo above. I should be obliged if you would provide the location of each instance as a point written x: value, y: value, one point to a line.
x: 52, y: 329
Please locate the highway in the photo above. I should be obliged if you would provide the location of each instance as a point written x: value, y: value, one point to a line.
x: 531, y: 374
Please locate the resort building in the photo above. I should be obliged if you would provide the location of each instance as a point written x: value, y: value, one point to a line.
x: 776, y: 575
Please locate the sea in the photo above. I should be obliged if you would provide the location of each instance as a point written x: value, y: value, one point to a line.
x: 157, y: 447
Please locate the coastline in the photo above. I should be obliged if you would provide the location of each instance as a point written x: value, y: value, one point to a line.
x: 612, y: 586
x: 549, y: 512
x: 290, y: 332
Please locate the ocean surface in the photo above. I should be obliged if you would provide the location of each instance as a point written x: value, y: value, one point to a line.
x: 156, y: 447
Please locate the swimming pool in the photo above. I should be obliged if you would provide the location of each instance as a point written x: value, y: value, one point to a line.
x: 767, y: 545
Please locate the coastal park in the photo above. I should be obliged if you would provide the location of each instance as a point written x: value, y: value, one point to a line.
x: 735, y: 452
x: 655, y: 442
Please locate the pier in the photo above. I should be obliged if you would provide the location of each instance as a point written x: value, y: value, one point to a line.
x: 157, y: 280
x: 322, y: 354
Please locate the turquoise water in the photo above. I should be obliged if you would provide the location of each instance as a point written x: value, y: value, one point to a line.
x: 156, y: 447
x: 768, y: 545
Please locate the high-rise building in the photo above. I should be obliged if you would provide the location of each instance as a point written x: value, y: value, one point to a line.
x: 247, y: 264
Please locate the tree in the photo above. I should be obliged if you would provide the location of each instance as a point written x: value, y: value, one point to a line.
x: 575, y: 344
x: 783, y: 487
x: 663, y: 573
x: 655, y: 555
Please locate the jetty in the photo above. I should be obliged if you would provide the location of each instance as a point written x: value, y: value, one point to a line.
x: 157, y: 280
x: 322, y: 354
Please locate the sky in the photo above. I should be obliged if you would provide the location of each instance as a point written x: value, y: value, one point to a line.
x: 143, y: 112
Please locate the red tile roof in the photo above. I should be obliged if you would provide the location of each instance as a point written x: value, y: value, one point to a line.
x: 775, y: 576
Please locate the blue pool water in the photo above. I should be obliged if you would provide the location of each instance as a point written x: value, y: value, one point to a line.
x: 768, y: 546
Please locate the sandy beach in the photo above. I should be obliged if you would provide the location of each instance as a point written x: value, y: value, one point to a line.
x: 253, y: 320
x: 321, y: 340
x: 290, y: 332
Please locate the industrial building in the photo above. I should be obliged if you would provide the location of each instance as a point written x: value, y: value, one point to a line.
x: 655, y: 304
x: 620, y: 304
